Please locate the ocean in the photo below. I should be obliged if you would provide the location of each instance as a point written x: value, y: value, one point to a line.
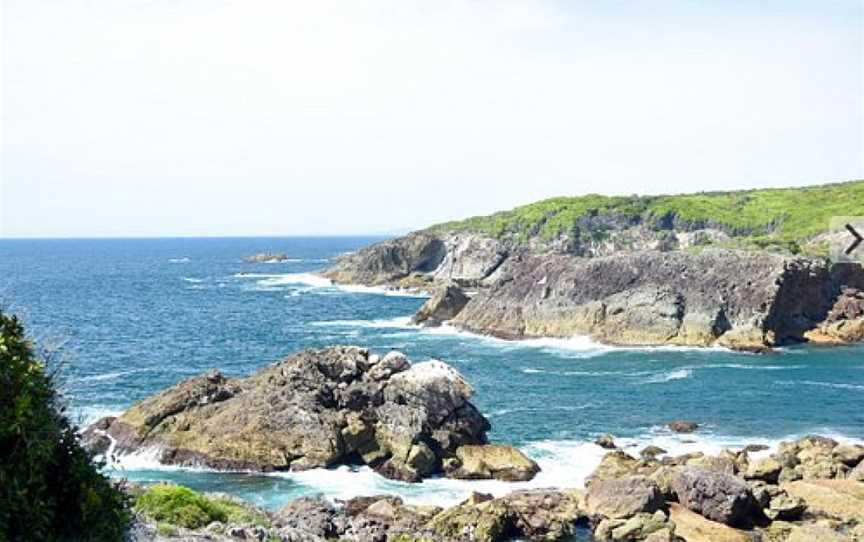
x: 124, y: 319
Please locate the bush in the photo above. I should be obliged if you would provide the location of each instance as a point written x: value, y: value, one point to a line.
x: 179, y: 506
x: 50, y: 489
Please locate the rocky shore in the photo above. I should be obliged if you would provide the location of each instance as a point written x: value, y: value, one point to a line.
x: 747, y: 300
x: 319, y: 408
x: 811, y: 489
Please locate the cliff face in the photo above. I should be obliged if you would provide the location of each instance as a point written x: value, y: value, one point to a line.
x: 736, y: 299
x: 740, y: 299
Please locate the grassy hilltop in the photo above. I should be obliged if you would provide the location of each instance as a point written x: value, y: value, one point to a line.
x: 786, y: 217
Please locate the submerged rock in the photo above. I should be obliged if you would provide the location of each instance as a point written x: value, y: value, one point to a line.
x: 682, y: 426
x: 317, y: 408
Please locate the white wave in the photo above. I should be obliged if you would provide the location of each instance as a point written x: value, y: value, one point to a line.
x: 179, y: 260
x: 680, y: 374
x: 381, y: 290
x: 401, y: 322
x: 271, y: 280
x: 750, y: 367
x: 193, y: 280
x: 84, y: 416
x: 835, y: 385
x: 109, y: 376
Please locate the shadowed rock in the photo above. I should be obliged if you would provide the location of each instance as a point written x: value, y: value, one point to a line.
x: 317, y: 408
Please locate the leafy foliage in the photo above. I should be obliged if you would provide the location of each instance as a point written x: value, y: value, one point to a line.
x: 766, y: 218
x: 50, y: 489
x: 172, y: 505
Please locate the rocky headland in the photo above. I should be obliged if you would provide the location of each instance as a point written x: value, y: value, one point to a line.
x: 319, y: 408
x: 811, y: 489
x: 621, y: 279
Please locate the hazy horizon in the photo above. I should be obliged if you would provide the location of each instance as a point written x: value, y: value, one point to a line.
x: 197, y: 118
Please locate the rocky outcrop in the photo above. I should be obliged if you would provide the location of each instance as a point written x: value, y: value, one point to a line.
x: 317, y: 408
x: 444, y: 305
x: 491, y: 461
x: 623, y: 498
x: 745, y: 300
x: 736, y: 299
x: 266, y: 257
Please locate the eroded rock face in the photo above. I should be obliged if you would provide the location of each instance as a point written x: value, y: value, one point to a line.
x: 316, y: 408
x: 736, y: 299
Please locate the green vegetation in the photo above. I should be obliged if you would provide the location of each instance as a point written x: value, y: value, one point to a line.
x: 49, y: 487
x: 178, y: 506
x: 762, y: 218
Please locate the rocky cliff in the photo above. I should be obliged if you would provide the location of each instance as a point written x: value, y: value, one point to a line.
x: 319, y: 408
x: 738, y: 298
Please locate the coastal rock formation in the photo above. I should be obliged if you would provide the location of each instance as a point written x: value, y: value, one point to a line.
x: 266, y: 257
x: 444, y: 305
x: 749, y: 300
x: 620, y: 504
x: 317, y: 408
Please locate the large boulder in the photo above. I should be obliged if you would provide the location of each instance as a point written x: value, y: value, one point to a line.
x: 487, y: 521
x: 444, y: 305
x: 490, y: 461
x: 544, y: 514
x: 623, y: 498
x: 316, y: 408
x: 716, y: 495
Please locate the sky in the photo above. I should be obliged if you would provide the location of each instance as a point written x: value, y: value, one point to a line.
x: 284, y: 117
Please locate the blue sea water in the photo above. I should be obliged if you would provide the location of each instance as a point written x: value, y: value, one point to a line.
x: 131, y: 317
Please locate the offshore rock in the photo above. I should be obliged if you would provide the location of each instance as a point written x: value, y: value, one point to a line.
x: 317, y: 408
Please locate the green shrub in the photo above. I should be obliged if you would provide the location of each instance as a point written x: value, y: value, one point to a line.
x: 50, y: 489
x: 183, y: 507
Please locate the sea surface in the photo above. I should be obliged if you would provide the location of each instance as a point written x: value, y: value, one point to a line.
x: 128, y: 318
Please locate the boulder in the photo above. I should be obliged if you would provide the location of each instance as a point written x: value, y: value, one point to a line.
x: 317, y: 408
x: 484, y: 522
x: 716, y: 495
x: 857, y: 473
x: 606, y: 441
x: 619, y: 464
x: 693, y: 527
x: 785, y: 507
x: 849, y: 454
x: 767, y: 470
x: 544, y: 514
x: 682, y: 426
x: 309, y: 515
x: 492, y: 461
x: 444, y: 305
x: 644, y: 527
x: 623, y: 498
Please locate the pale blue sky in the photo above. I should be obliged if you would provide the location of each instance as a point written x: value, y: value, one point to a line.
x: 278, y: 117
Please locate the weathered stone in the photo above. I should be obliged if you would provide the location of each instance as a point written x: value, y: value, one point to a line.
x: 310, y: 515
x: 618, y: 464
x: 317, y: 408
x: 840, y: 499
x: 543, y: 514
x: 849, y: 454
x: 642, y: 527
x: 444, y: 305
x: 785, y: 507
x: 717, y: 496
x: 606, y: 441
x: 484, y: 522
x: 693, y: 527
x: 651, y: 452
x: 492, y: 461
x: 767, y: 470
x: 618, y: 499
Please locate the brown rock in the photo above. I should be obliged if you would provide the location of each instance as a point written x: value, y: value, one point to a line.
x: 618, y: 499
x: 693, y: 527
x: 683, y: 426
x: 839, y: 499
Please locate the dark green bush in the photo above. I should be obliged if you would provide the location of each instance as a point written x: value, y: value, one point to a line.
x: 50, y: 488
